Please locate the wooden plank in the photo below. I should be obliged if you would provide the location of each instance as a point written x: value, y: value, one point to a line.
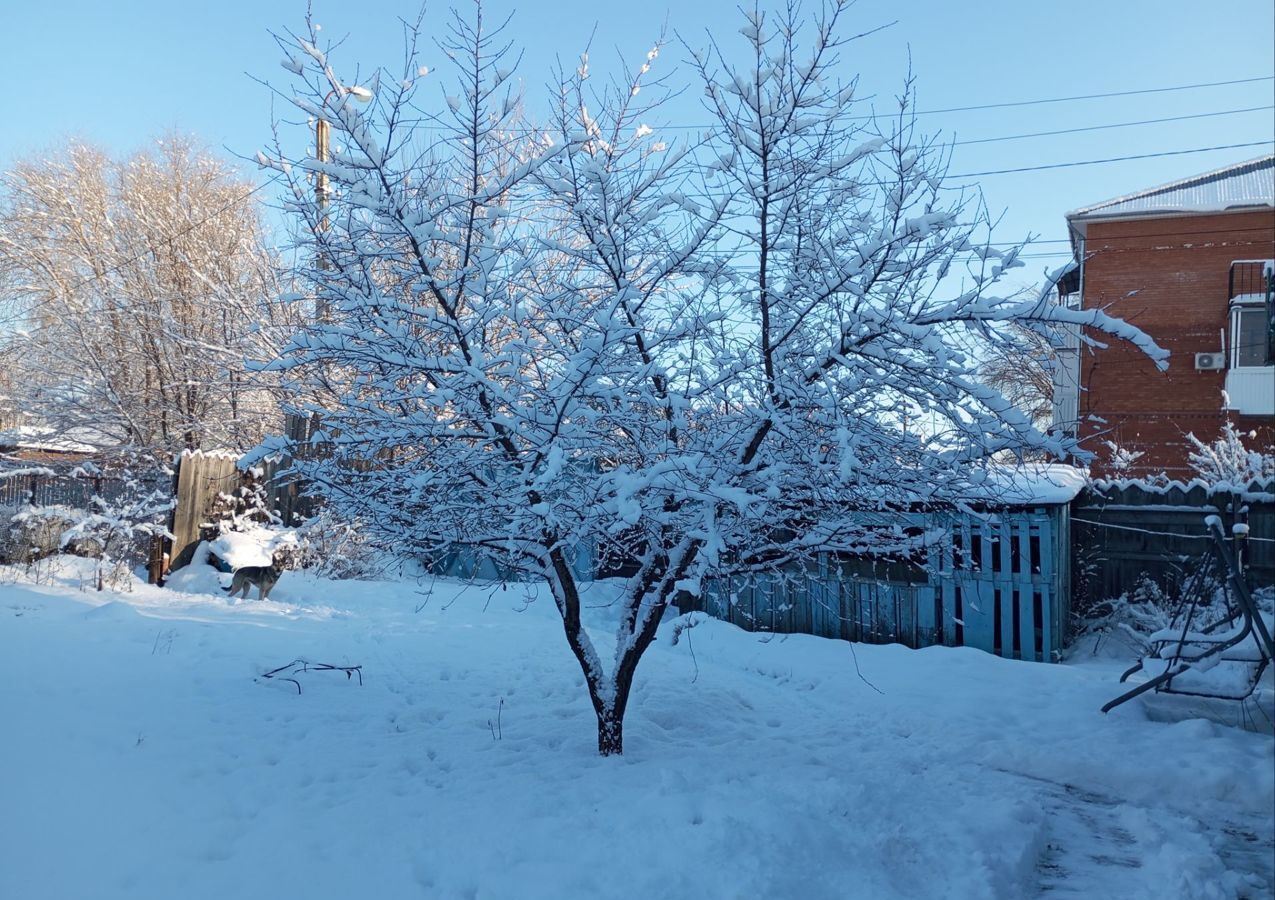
x: 1011, y: 596
x: 979, y: 608
x: 908, y: 615
x: 926, y: 624
x: 1006, y: 534
x: 1059, y: 520
x: 883, y: 624
x: 1047, y: 647
x: 949, y: 607
x: 1027, y: 625
x: 864, y: 601
x: 184, y: 511
x: 845, y: 617
x: 1025, y: 528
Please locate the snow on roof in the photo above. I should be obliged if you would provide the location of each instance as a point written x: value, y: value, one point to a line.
x: 1034, y: 483
x: 33, y: 437
x: 1246, y: 184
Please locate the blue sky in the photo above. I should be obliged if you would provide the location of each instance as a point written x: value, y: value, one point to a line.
x: 122, y: 73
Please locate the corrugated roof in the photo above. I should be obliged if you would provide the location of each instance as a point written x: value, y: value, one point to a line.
x: 1245, y: 184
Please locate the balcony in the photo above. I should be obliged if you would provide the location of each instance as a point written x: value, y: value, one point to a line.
x: 1250, y: 378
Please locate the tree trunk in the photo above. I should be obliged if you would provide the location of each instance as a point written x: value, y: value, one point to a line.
x: 611, y: 716
x: 611, y: 733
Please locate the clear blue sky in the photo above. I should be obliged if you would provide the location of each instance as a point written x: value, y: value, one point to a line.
x: 122, y: 73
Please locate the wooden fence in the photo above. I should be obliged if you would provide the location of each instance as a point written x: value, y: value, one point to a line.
x: 999, y: 582
x: 206, y: 478
x: 69, y: 486
x: 1123, y: 530
x: 55, y: 486
x: 203, y: 478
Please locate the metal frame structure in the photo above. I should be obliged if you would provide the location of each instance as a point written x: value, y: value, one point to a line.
x: 1190, y: 649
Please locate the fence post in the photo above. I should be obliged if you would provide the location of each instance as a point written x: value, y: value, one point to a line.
x: 158, y: 561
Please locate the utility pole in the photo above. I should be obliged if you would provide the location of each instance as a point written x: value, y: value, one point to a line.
x: 322, y: 152
x: 322, y: 138
x: 298, y: 428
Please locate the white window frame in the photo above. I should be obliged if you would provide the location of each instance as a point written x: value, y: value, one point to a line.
x: 1237, y: 307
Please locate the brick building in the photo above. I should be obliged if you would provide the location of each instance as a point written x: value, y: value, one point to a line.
x: 1191, y: 264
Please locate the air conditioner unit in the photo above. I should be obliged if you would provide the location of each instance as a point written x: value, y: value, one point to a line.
x: 1208, y: 361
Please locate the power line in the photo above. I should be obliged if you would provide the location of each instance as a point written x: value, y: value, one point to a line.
x: 1061, y: 165
x: 1172, y: 534
x: 1158, y: 90
x: 1145, y: 235
x: 1002, y: 105
x: 192, y: 226
x: 1094, y: 162
x: 1035, y: 134
x: 1091, y: 253
x: 1052, y: 254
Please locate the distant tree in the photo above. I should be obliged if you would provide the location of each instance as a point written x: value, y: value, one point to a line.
x: 583, y: 336
x: 136, y: 288
x: 1021, y: 368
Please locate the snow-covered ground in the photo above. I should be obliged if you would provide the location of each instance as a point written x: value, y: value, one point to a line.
x: 143, y: 756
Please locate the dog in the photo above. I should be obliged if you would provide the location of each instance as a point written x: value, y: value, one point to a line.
x: 264, y: 577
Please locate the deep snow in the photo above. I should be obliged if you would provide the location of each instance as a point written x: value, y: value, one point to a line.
x: 144, y: 757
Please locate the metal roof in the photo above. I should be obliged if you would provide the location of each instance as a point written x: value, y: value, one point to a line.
x: 1245, y: 184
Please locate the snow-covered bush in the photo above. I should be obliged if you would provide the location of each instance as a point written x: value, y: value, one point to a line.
x: 1227, y: 461
x: 1121, y: 460
x: 35, y: 532
x: 333, y: 547
x: 8, y: 542
x: 1264, y: 599
x: 1150, y: 607
x: 1130, y: 618
x: 120, y: 526
x: 248, y: 507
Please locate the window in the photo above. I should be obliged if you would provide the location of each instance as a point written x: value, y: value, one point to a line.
x: 1250, y: 335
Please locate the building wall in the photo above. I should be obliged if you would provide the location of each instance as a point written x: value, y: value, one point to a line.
x: 1169, y: 277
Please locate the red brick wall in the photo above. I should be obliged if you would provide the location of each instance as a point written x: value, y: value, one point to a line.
x: 1169, y: 277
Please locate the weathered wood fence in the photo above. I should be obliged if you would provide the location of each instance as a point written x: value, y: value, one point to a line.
x: 1123, y: 530
x: 67, y: 486
x: 206, y: 478
x: 61, y: 488
x: 202, y: 479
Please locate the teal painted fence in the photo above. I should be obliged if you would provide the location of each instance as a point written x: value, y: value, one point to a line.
x: 468, y: 564
x: 999, y: 582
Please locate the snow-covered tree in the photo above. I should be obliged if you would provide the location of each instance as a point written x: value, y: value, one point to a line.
x: 1227, y: 462
x: 132, y: 291
x: 586, y: 336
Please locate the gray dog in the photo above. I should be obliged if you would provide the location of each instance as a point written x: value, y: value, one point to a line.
x: 264, y: 577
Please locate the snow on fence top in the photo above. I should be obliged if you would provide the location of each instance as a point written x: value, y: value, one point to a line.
x: 1259, y: 490
x: 1029, y: 484
x: 210, y: 454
